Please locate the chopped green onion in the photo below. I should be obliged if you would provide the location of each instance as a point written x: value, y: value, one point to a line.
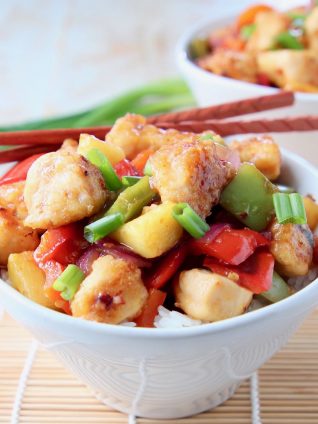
x: 190, y: 220
x: 285, y: 189
x: 289, y: 208
x: 247, y: 31
x: 279, y: 290
x: 97, y: 158
x: 69, y: 281
x: 148, y: 169
x: 103, y: 226
x: 129, y: 181
x: 288, y: 41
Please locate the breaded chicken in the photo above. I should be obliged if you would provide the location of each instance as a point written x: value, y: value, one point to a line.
x: 69, y: 145
x: 134, y: 135
x: 232, y: 64
x: 263, y: 152
x: 289, y: 67
x: 268, y: 25
x: 292, y: 248
x: 311, y: 29
x: 192, y: 171
x: 14, y: 236
x: 112, y: 292
x: 62, y: 187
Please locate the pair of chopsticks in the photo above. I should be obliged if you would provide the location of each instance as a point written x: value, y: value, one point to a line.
x: 194, y: 120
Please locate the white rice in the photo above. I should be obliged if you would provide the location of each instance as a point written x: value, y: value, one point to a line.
x: 173, y: 319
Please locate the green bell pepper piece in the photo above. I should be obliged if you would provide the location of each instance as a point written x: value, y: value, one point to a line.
x: 279, y: 290
x: 131, y: 201
x: 249, y: 197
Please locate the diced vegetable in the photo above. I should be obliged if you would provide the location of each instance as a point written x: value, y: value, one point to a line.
x: 229, y: 245
x: 199, y: 47
x: 139, y: 162
x: 311, y: 208
x: 63, y: 244
x: 69, y: 281
x: 254, y: 274
x: 289, y: 208
x: 103, y: 226
x: 288, y: 41
x: 19, y: 171
x: 248, y: 16
x: 285, y: 189
x: 97, y: 158
x: 88, y: 142
x: 315, y: 252
x: 249, y: 197
x: 210, y: 297
x: 147, y: 169
x: 278, y: 291
x: 151, y: 234
x: 125, y: 168
x: 167, y: 267
x: 190, y: 220
x: 28, y: 278
x: 131, y: 201
x: 155, y: 299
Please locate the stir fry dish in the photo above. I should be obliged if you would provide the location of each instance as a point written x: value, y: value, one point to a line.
x: 265, y: 46
x: 153, y: 227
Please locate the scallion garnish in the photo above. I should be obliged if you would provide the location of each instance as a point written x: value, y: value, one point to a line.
x: 103, y: 226
x: 69, y: 281
x: 285, y: 189
x: 148, y: 169
x: 190, y: 220
x: 289, y: 208
x: 247, y: 31
x: 129, y: 181
x: 288, y: 41
x: 97, y: 158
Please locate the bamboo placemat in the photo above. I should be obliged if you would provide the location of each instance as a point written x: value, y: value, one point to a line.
x: 288, y: 387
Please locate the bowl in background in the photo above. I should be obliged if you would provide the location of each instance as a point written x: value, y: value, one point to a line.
x: 170, y: 373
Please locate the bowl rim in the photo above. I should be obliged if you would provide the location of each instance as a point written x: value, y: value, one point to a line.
x: 275, y: 309
x: 184, y: 61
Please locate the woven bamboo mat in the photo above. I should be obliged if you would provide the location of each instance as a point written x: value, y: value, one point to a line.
x: 288, y: 387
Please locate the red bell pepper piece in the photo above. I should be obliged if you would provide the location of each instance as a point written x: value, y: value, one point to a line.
x: 255, y: 273
x: 125, y: 167
x: 19, y: 171
x: 63, y: 245
x: 167, y: 267
x: 155, y: 299
x: 229, y: 245
x: 139, y: 162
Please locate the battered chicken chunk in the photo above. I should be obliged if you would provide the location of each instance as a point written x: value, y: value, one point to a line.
x: 133, y: 135
x: 311, y: 28
x: 112, y: 293
x: 268, y: 25
x: 232, y: 64
x: 263, y: 152
x: 289, y: 67
x: 192, y: 171
x: 62, y: 187
x: 292, y: 248
x: 14, y: 236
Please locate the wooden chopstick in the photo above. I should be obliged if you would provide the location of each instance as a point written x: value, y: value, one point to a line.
x: 22, y: 152
x: 228, y: 110
x: 225, y: 128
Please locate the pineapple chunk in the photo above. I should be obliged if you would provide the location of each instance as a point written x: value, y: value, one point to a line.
x: 311, y: 208
x: 113, y: 152
x: 28, y: 278
x: 151, y: 234
x: 207, y: 296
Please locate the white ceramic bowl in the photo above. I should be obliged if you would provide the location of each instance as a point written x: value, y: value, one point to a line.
x: 212, y: 89
x: 170, y: 373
